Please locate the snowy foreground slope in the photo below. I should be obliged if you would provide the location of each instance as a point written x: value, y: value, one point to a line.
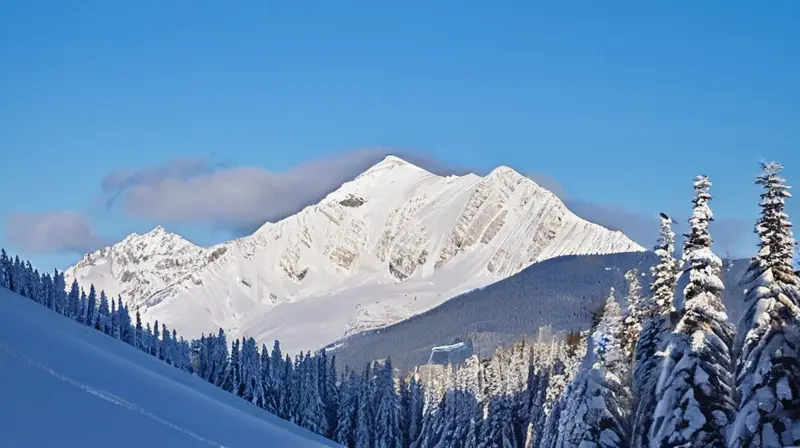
x: 65, y: 384
x: 392, y: 243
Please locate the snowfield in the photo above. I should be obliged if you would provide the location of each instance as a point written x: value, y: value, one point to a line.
x: 394, y: 242
x: 65, y: 384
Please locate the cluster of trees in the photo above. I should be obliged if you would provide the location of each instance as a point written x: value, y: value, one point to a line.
x: 657, y: 372
x: 692, y: 378
x: 111, y: 316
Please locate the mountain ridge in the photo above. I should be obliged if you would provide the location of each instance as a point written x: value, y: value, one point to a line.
x: 393, y: 232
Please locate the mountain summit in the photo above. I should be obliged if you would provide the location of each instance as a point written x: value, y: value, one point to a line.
x: 394, y: 242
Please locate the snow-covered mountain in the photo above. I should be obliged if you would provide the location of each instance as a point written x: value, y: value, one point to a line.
x: 392, y: 243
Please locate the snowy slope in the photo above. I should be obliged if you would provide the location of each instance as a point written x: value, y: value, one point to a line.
x: 392, y: 243
x: 64, y: 384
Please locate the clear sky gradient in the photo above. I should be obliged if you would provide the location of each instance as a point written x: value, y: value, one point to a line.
x: 621, y: 103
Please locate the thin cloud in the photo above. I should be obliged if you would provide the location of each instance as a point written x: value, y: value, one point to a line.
x: 239, y: 199
x: 52, y: 232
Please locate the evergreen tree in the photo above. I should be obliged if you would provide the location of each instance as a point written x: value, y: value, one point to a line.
x: 768, y: 338
x: 234, y: 383
x: 137, y: 333
x: 387, y: 431
x: 287, y: 385
x: 597, y: 400
x: 346, y: 415
x: 91, y: 307
x: 5, y: 269
x: 155, y: 342
x: 266, y: 381
x: 147, y: 340
x: 276, y: 400
x: 253, y: 388
x: 695, y: 406
x: 364, y: 416
x: 416, y: 403
x: 75, y: 301
x: 219, y: 365
x: 331, y: 397
x: 60, y: 293
x: 311, y: 409
x: 633, y: 314
x: 656, y: 311
x: 114, y: 328
x: 167, y: 351
x: 125, y: 329
x: 104, y: 313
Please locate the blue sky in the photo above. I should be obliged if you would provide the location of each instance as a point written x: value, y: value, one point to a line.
x: 618, y: 105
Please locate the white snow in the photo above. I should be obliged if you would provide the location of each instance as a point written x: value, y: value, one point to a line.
x: 64, y: 384
x: 392, y: 243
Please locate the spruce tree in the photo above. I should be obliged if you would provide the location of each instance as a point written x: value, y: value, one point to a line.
x: 597, y: 401
x: 633, y: 314
x: 266, y: 380
x: 656, y: 311
x: 768, y: 339
x: 364, y: 416
x: 137, y: 333
x: 695, y: 406
x: 387, y: 432
x: 91, y: 307
x: 75, y: 301
x: 346, y: 415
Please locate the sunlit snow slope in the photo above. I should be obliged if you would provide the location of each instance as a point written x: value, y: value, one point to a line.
x: 392, y: 243
x: 66, y: 385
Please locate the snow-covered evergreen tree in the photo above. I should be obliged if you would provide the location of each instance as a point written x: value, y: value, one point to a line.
x: 387, y: 418
x: 104, y: 313
x: 276, y: 396
x: 74, y: 301
x: 91, y: 307
x: 416, y: 403
x: 633, y: 314
x: 331, y: 391
x: 114, y: 321
x: 125, y: 328
x: 219, y: 360
x: 167, y: 349
x: 138, y: 331
x: 346, y: 416
x: 266, y: 380
x: 656, y: 311
x: 597, y: 404
x: 60, y: 291
x: 288, y: 404
x: 364, y: 437
x: 768, y: 338
x: 695, y: 405
x: 251, y: 375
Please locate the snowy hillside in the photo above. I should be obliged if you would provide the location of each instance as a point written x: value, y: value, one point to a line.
x: 392, y: 243
x: 88, y: 390
x: 558, y: 294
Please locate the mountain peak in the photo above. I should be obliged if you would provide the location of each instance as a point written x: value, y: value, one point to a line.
x: 158, y: 230
x: 391, y: 162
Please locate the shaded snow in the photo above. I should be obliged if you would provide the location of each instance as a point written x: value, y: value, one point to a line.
x: 64, y: 384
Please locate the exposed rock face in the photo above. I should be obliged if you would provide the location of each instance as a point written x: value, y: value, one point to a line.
x: 360, y: 258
